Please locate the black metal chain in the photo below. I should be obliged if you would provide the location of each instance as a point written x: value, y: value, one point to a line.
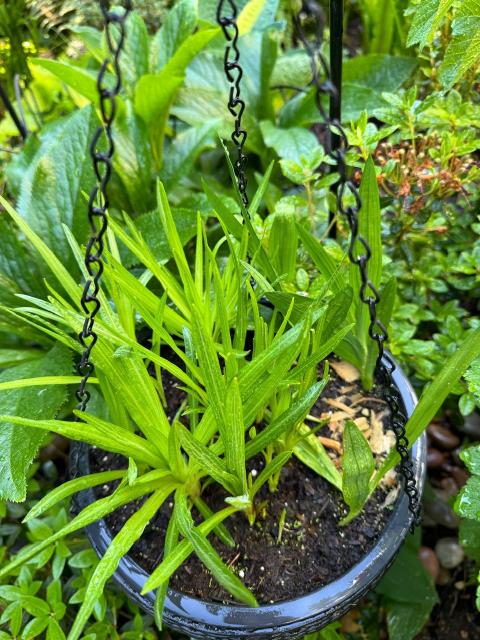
x: 98, y: 202
x: 359, y: 254
x: 234, y: 74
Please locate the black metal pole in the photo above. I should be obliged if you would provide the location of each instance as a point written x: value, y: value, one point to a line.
x: 22, y: 129
x: 336, y: 64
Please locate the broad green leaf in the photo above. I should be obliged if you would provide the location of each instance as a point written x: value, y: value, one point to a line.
x: 289, y: 144
x: 472, y: 376
x: 12, y: 357
x: 463, y: 52
x: 187, y: 51
x: 434, y: 395
x: 134, y: 61
x: 207, y: 554
x: 149, y: 225
x: 182, y: 551
x: 469, y: 538
x: 406, y: 620
x: 179, y: 24
x: 133, y: 159
x: 408, y: 593
x: 78, y: 79
x: 358, y: 467
x: 19, y: 444
x: 249, y: 15
x: 378, y: 72
x: 428, y: 15
x: 365, y: 78
x: 118, y: 547
x: 153, y: 96
x: 467, y: 503
x: 69, y: 488
x: 53, y: 189
x: 20, y: 269
x: 208, y: 11
x: 183, y: 151
x: 471, y: 458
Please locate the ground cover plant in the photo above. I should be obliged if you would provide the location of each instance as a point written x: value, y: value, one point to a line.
x: 419, y: 145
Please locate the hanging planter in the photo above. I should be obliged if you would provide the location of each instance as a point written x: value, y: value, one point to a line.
x: 292, y: 618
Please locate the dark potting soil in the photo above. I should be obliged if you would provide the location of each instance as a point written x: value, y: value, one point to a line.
x: 275, y: 562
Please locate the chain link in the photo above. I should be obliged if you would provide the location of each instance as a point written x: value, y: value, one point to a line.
x: 349, y: 205
x: 227, y: 19
x: 98, y: 202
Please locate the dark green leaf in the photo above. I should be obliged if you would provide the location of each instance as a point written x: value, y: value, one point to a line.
x: 19, y: 445
x: 53, y: 189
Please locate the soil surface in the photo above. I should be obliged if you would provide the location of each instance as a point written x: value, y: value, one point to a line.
x: 276, y: 562
x: 456, y: 616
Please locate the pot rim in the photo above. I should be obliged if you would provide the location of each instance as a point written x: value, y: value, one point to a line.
x: 286, y: 619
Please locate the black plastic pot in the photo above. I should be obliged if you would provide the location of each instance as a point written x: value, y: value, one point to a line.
x: 289, y: 619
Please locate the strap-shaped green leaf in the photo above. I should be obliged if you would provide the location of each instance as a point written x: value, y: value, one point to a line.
x: 220, y: 530
x: 118, y: 547
x: 208, y: 359
x: 96, y: 432
x: 42, y: 382
x: 182, y: 551
x: 234, y: 437
x: 92, y: 513
x: 358, y: 467
x: 71, y: 487
x: 208, y: 461
x: 369, y: 227
x: 312, y: 453
x: 207, y: 554
x: 273, y: 467
x: 294, y: 415
x: 171, y: 541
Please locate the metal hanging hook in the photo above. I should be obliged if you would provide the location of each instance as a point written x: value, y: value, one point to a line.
x: 227, y: 20
x: 359, y: 251
x: 98, y: 201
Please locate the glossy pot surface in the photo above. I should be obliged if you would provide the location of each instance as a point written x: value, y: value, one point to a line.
x: 289, y: 619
